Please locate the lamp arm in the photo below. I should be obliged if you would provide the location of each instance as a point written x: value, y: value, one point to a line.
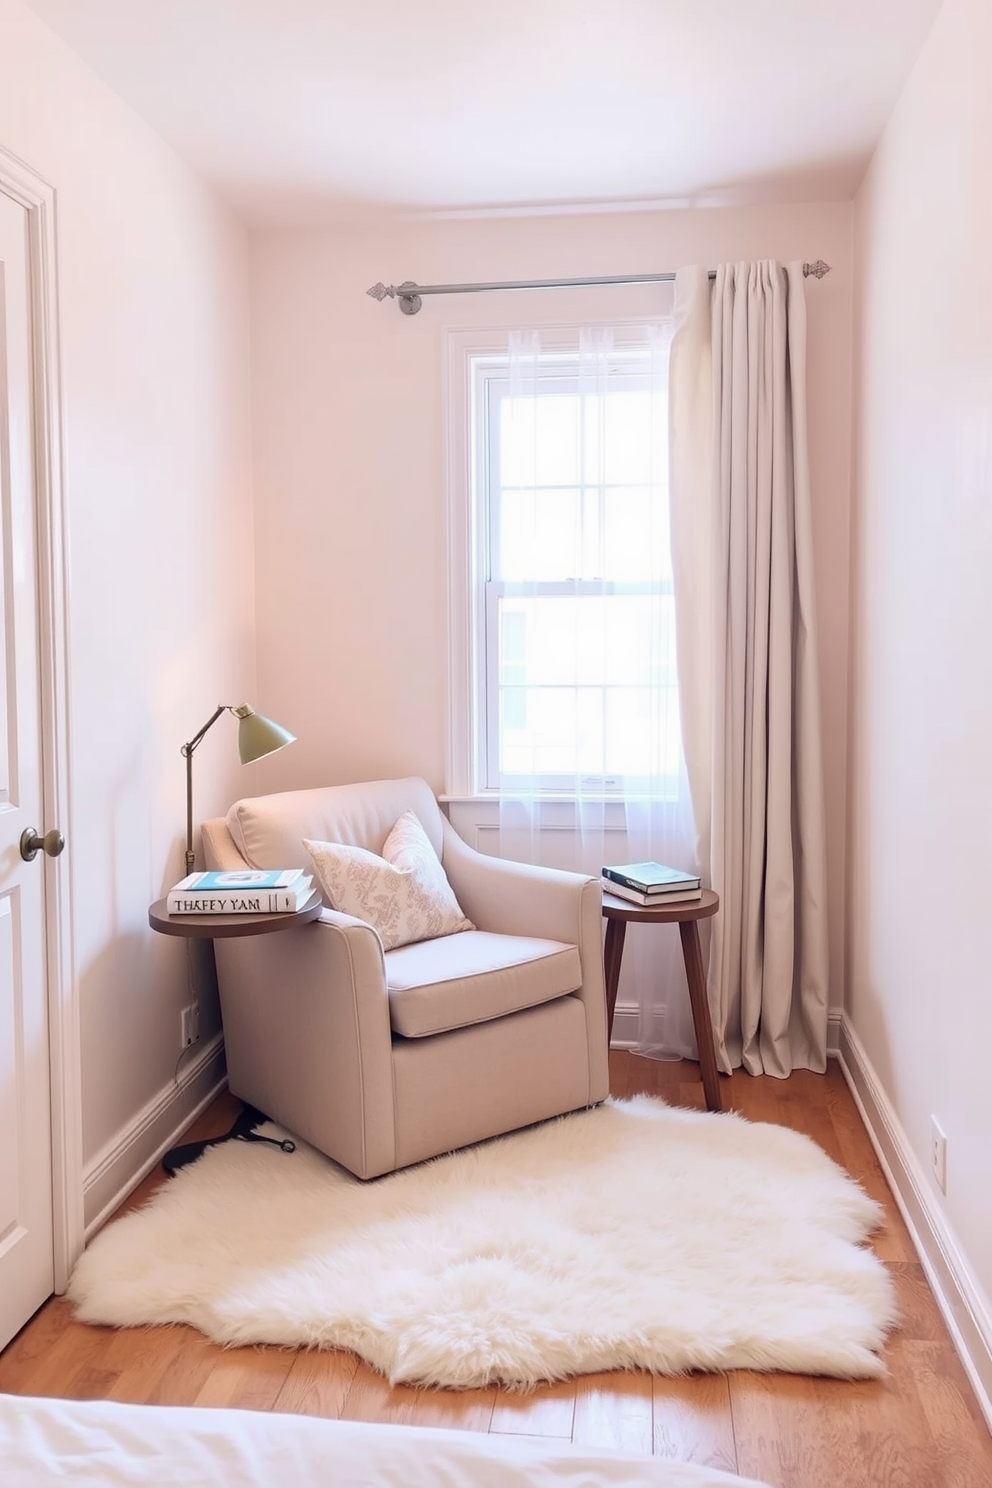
x: 187, y: 751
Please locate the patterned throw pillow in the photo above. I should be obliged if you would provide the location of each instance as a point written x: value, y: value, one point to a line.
x: 404, y: 895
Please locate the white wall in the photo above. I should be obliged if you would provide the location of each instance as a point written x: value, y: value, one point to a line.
x: 153, y: 286
x: 349, y: 459
x: 920, y: 984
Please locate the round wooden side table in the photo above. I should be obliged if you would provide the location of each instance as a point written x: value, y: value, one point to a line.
x: 221, y: 927
x: 619, y: 913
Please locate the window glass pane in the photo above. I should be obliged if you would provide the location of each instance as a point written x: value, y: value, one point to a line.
x: 544, y: 743
x: 587, y: 685
x: 635, y: 444
x: 642, y: 731
x: 572, y: 640
x: 592, y: 535
x: 540, y: 536
x: 636, y: 541
x: 539, y: 440
x: 589, y: 731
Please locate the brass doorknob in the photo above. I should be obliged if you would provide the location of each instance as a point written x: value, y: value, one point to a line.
x: 31, y: 844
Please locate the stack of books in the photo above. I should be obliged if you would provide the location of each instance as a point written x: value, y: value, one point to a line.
x: 651, y: 884
x: 241, y: 891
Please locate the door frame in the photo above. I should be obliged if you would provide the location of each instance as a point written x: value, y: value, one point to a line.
x: 37, y: 197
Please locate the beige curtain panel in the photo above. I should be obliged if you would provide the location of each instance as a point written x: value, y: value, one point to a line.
x: 747, y: 655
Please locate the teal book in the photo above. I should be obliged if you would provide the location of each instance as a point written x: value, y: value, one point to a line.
x: 238, y: 880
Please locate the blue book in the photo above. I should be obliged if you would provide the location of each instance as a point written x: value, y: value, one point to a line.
x: 238, y: 880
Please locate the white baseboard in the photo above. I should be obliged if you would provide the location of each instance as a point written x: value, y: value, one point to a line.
x: 123, y: 1162
x: 625, y: 1029
x: 835, y: 1018
x: 624, y: 1026
x: 961, y: 1299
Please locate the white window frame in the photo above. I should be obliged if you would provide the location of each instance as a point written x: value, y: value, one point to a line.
x: 471, y: 595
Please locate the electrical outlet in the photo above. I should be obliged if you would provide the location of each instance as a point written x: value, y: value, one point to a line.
x: 190, y: 1025
x: 938, y: 1154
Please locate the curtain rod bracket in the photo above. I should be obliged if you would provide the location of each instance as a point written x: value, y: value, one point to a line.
x: 408, y: 294
x: 409, y: 303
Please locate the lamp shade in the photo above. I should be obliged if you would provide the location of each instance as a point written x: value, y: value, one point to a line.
x: 259, y: 736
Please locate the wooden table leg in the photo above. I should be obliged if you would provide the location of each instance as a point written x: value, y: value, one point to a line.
x: 612, y: 956
x: 701, y: 1021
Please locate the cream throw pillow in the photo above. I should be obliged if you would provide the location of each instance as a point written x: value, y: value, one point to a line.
x: 404, y: 895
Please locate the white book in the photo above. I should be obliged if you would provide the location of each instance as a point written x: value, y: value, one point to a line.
x: 249, y: 901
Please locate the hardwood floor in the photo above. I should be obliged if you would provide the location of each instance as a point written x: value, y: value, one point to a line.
x: 919, y: 1427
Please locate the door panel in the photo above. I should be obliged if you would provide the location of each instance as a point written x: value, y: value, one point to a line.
x: 26, y: 1244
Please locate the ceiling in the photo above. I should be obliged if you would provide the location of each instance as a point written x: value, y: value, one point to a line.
x: 297, y: 110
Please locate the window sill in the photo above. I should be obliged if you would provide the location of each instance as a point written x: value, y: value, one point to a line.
x: 494, y: 798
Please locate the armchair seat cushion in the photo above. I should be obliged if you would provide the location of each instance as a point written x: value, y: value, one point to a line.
x: 437, y: 985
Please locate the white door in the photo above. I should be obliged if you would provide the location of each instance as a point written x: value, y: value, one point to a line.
x: 26, y: 1227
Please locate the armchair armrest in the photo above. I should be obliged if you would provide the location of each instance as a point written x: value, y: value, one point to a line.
x: 521, y: 898
x: 306, y: 1025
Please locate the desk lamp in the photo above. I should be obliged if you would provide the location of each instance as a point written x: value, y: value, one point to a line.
x: 257, y: 737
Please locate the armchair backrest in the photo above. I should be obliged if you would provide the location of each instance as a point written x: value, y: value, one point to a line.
x: 268, y: 831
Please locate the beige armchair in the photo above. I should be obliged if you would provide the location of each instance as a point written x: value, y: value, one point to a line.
x: 381, y: 1059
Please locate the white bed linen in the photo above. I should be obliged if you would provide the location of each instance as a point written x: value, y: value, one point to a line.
x: 104, y: 1444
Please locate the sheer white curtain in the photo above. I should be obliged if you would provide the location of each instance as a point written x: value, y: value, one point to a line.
x: 743, y: 566
x: 591, y: 768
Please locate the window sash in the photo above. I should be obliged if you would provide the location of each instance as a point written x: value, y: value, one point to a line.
x: 608, y: 708
x: 589, y: 489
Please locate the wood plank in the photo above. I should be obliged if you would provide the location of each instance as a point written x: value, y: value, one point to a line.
x: 693, y: 1421
x: 28, y: 1352
x: 459, y: 1410
x: 548, y: 1410
x: 614, y: 1411
x: 246, y: 1378
x: 171, y: 1372
x: 134, y: 1360
x: 893, y: 1242
x: 74, y: 1349
x: 919, y: 1315
x: 797, y: 1432
x: 961, y: 1440
x: 759, y: 1099
x: 318, y: 1383
x: 373, y: 1398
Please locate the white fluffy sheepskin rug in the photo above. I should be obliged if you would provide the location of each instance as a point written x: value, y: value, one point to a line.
x: 633, y: 1235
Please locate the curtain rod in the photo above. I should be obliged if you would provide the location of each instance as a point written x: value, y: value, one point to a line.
x: 408, y: 294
